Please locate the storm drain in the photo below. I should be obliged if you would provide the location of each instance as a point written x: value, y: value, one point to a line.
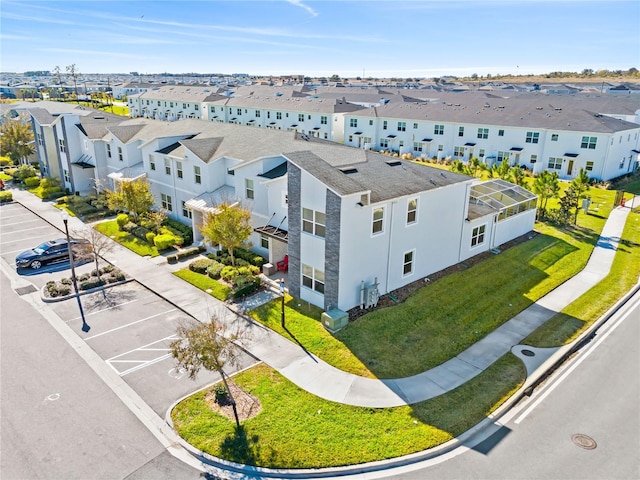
x: 528, y: 353
x: 584, y: 441
x: 25, y: 290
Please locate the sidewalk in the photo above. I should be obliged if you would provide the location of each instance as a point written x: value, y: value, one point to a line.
x: 317, y: 377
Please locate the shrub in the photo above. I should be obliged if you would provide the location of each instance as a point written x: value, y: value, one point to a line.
x: 6, y: 197
x: 150, y: 236
x: 5, y: 161
x: 140, y: 232
x: 185, y: 231
x: 128, y: 227
x: 117, y: 276
x: 220, y: 391
x: 84, y: 277
x: 228, y: 273
x: 214, y: 270
x: 162, y: 242
x: 201, y: 265
x: 66, y: 281
x: 179, y: 240
x: 246, y: 285
x: 107, y: 269
x: 31, y: 182
x: 63, y: 290
x: 91, y: 283
x: 122, y: 219
x: 50, y: 192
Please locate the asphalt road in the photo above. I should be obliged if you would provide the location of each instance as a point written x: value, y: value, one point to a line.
x: 596, y: 394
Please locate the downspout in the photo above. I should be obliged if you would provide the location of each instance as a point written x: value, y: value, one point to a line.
x: 393, y: 202
x: 606, y: 158
x: 465, y: 217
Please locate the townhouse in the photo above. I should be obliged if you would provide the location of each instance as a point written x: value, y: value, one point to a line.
x: 561, y: 133
x: 354, y: 223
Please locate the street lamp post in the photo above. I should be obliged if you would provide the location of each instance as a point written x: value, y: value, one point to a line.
x: 65, y: 219
x: 282, y: 292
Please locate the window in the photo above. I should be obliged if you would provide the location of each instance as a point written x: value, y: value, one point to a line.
x: 239, y: 111
x: 378, y: 220
x: 415, y: 126
x: 589, y: 142
x: 461, y: 131
x: 152, y: 162
x: 503, y: 156
x: 483, y: 133
x: 62, y: 145
x: 589, y: 167
x: 554, y: 163
x: 532, y: 137
x: 313, y: 278
x: 554, y: 137
x: 402, y: 126
x: 179, y: 169
x: 441, y: 148
x: 384, y: 124
x: 185, y: 211
x: 417, y: 146
x: 264, y: 241
x: 313, y: 222
x: 353, y: 122
x: 323, y: 120
x: 108, y: 151
x: 65, y: 173
x: 196, y: 174
x: 166, y: 202
x: 438, y: 130
x: 301, y: 117
x: 278, y: 115
x: 481, y: 153
x: 350, y: 138
x: 412, y: 210
x: 370, y: 122
x: 167, y: 166
x: 621, y: 165
x: 533, y: 159
x: 501, y: 133
x: 257, y: 113
x: 120, y: 154
x: 407, y: 264
x: 196, y: 107
x: 248, y: 188
x: 458, y: 151
x: 384, y: 142
x: 477, y: 235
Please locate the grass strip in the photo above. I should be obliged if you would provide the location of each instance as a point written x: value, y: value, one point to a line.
x: 567, y: 325
x: 204, y: 283
x: 141, y: 247
x: 298, y: 430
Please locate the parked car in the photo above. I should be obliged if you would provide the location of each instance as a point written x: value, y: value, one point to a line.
x: 52, y: 251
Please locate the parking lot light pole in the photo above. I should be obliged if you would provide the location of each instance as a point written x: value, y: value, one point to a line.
x: 282, y: 292
x: 74, y: 280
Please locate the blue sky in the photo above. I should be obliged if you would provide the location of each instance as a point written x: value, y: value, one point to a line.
x: 321, y: 38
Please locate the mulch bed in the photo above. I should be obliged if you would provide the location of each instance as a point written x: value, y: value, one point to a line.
x: 247, y: 405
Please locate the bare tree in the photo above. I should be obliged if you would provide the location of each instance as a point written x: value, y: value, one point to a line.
x: 72, y: 71
x: 211, y: 346
x: 97, y: 247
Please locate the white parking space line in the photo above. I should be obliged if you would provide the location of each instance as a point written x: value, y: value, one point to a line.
x: 8, y: 224
x: 129, y: 324
x: 113, y: 361
x: 95, y: 312
x: 31, y: 230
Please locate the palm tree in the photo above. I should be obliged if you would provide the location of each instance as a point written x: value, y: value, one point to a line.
x: 546, y: 186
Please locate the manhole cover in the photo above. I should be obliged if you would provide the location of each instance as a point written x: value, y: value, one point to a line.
x: 528, y: 353
x: 25, y: 290
x: 584, y: 441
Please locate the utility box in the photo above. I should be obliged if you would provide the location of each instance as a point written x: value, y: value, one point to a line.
x: 334, y: 319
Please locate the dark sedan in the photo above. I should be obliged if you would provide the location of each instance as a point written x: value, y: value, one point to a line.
x: 50, y: 252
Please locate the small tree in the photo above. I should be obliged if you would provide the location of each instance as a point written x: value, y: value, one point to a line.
x: 133, y: 196
x: 16, y: 140
x: 210, y: 346
x: 568, y: 204
x: 546, y: 186
x: 580, y: 186
x: 230, y: 226
x: 72, y: 71
x: 99, y: 244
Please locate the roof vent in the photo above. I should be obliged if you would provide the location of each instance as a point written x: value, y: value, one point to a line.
x: 394, y: 163
x: 432, y: 181
x: 348, y: 171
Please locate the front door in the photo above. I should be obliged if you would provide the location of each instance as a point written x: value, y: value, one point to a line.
x: 570, y: 168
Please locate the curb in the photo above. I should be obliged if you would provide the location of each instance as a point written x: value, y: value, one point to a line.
x: 46, y: 299
x: 544, y: 371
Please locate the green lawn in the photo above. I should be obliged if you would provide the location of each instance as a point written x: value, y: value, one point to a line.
x: 142, y: 248
x: 567, y: 325
x: 298, y: 430
x: 205, y: 283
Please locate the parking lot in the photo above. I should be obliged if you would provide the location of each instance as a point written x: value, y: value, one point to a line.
x: 130, y: 326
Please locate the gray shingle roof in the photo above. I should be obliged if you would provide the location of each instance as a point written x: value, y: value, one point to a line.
x: 385, y: 177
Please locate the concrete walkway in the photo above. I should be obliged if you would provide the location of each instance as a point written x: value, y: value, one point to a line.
x: 317, y: 377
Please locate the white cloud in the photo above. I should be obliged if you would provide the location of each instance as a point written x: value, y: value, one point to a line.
x: 298, y: 3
